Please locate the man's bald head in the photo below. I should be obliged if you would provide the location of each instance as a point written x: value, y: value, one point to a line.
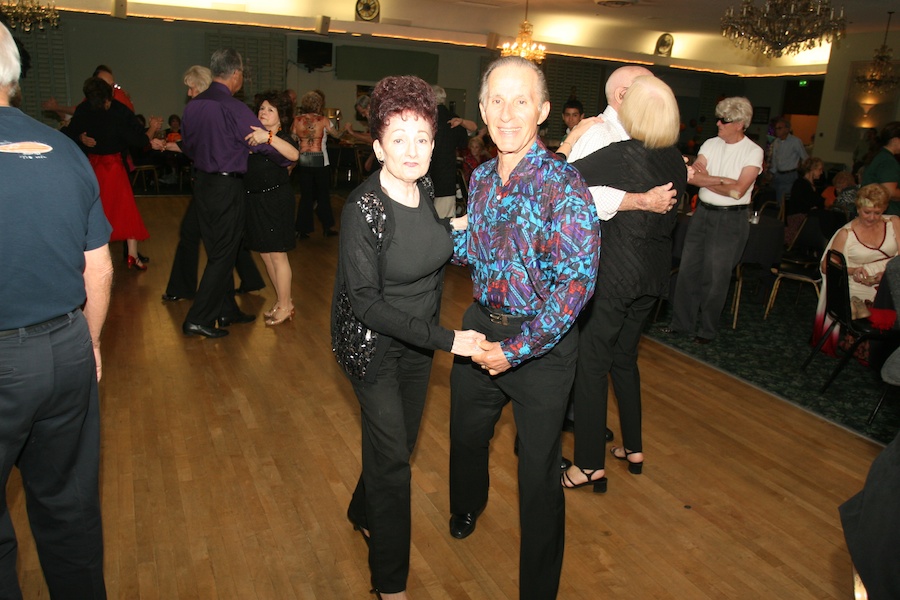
x: 619, y: 82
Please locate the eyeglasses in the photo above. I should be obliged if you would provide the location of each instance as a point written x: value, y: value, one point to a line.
x: 726, y: 120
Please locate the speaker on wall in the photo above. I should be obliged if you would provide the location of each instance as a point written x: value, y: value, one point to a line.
x: 493, y: 40
x: 322, y: 24
x: 120, y: 8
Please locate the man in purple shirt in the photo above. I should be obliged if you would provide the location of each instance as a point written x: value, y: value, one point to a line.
x: 214, y: 130
x: 532, y: 244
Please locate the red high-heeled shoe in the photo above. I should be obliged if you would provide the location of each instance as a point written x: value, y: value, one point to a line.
x: 133, y: 263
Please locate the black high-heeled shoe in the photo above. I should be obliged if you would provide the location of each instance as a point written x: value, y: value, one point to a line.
x: 359, y: 528
x: 599, y: 484
x: 635, y: 468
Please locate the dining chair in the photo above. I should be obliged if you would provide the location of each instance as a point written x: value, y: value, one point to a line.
x: 800, y: 261
x: 771, y: 208
x: 141, y: 171
x: 837, y: 307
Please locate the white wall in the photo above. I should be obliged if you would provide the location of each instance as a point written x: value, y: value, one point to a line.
x: 859, y: 47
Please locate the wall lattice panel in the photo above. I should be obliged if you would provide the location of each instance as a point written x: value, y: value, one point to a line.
x: 47, y: 76
x: 567, y: 77
x: 265, y: 55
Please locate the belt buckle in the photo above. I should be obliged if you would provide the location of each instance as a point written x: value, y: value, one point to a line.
x: 498, y: 319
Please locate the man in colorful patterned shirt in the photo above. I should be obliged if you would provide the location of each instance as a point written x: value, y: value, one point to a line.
x: 532, y: 244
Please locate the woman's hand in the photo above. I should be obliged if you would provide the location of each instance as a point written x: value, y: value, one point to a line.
x: 467, y: 343
x: 862, y: 277
x: 258, y: 136
x: 582, y: 127
x: 460, y: 223
x: 87, y: 141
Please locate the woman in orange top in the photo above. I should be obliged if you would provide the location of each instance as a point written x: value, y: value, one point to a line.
x: 309, y: 127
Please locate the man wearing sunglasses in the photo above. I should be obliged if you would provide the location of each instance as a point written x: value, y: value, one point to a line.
x: 725, y: 170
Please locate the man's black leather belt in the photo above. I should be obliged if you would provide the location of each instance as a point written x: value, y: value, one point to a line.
x: 234, y: 174
x: 788, y: 171
x: 502, y: 318
x: 709, y: 206
x: 37, y: 327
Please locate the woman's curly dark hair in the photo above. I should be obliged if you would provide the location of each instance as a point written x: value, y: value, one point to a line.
x: 282, y: 103
x: 394, y: 96
x: 97, y: 92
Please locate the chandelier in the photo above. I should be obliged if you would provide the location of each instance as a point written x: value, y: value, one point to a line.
x: 524, y: 46
x: 782, y: 26
x: 29, y: 13
x: 878, y: 76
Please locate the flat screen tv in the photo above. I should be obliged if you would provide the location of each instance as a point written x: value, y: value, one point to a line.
x: 314, y: 55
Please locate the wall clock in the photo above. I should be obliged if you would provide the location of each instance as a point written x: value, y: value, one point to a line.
x: 664, y: 45
x: 368, y: 10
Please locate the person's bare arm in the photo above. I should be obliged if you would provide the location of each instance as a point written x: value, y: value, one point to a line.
x: 660, y: 199
x: 724, y: 186
x: 893, y: 189
x: 98, y: 276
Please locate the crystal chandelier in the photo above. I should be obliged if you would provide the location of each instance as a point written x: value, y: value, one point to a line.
x: 878, y: 76
x: 524, y: 46
x: 30, y: 13
x: 782, y: 26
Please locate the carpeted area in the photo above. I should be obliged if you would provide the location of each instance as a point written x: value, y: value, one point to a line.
x: 768, y: 354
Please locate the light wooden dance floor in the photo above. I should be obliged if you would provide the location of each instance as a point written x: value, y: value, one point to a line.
x: 227, y: 467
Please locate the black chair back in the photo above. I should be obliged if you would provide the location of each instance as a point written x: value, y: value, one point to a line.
x: 810, y: 240
x: 837, y: 288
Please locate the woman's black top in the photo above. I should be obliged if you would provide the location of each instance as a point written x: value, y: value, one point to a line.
x: 636, y: 245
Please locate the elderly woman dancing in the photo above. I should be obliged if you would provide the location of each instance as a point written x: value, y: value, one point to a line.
x: 385, y: 316
x: 633, y: 273
x: 105, y: 128
x: 270, y: 200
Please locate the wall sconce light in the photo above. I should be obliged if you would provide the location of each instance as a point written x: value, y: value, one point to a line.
x: 866, y: 107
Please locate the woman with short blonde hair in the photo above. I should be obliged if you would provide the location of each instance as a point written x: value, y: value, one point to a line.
x: 651, y: 115
x: 197, y: 78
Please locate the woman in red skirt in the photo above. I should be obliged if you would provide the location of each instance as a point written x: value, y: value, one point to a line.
x: 105, y: 129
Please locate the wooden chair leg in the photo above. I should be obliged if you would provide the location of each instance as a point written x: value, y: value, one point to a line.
x: 772, y: 296
x: 736, y: 303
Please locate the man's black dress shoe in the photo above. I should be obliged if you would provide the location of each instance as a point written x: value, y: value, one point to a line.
x: 238, y: 318
x: 462, y: 526
x: 210, y: 332
x: 330, y: 233
x: 172, y: 298
x: 668, y: 331
x: 702, y: 340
